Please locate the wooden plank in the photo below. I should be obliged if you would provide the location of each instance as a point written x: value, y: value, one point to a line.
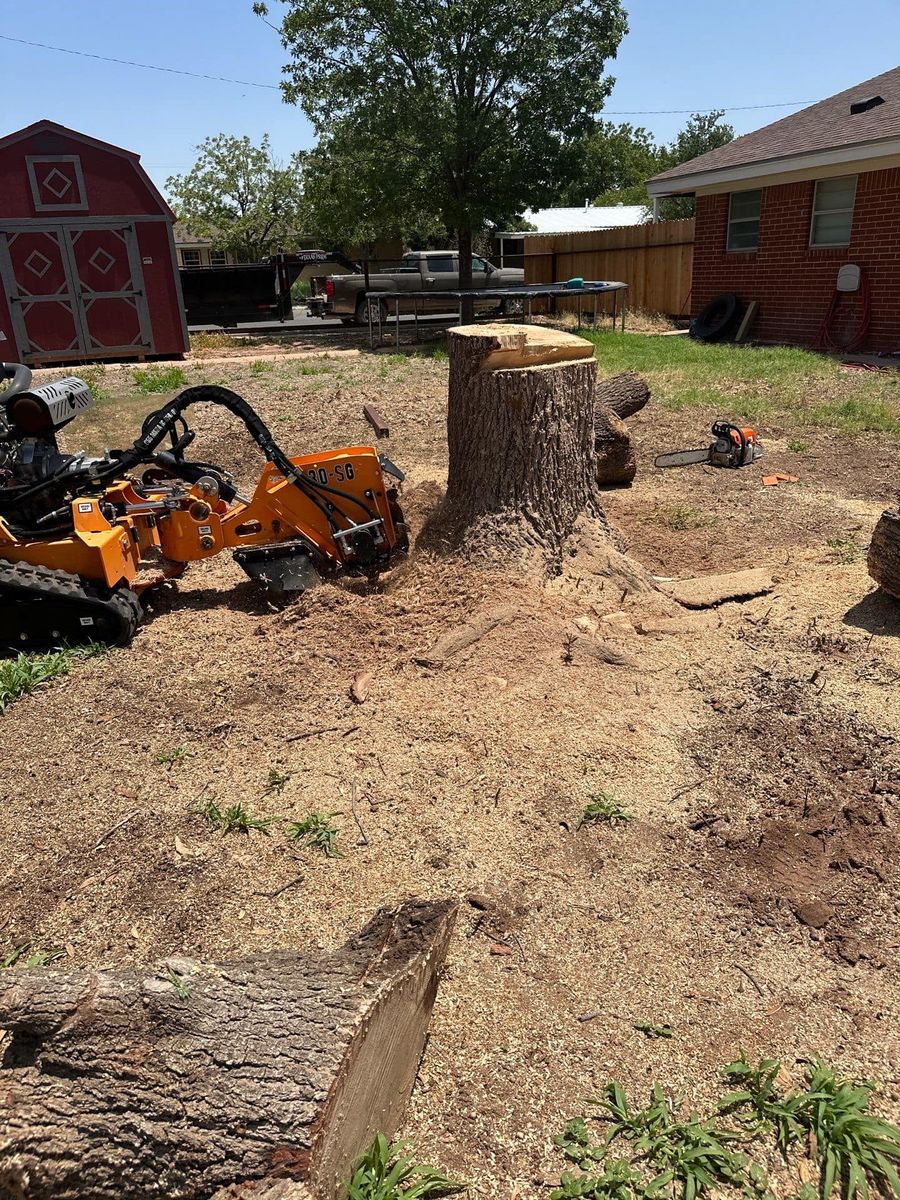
x: 747, y: 320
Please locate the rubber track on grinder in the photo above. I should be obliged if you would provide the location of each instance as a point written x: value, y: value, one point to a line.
x: 40, y: 606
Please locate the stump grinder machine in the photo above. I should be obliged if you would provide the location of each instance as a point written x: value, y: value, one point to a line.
x: 82, y: 538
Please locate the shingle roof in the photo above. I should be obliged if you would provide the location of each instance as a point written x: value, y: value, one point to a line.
x: 823, y: 126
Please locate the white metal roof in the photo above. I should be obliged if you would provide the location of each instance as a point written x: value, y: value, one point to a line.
x: 584, y: 218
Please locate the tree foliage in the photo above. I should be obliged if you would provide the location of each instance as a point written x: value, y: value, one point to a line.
x: 611, y: 163
x: 483, y: 98
x: 353, y: 196
x: 238, y: 195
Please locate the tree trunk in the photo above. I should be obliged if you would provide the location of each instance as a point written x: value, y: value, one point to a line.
x: 625, y: 394
x: 520, y: 425
x: 884, y: 553
x: 186, y: 1078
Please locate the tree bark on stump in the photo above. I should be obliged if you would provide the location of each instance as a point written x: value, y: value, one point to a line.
x: 520, y: 426
x: 884, y: 553
x: 266, y: 1076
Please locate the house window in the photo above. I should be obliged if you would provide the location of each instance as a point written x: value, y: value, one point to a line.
x: 832, y: 215
x: 218, y: 258
x: 743, y: 220
x: 190, y: 258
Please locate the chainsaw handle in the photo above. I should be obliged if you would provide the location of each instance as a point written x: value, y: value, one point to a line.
x: 725, y: 429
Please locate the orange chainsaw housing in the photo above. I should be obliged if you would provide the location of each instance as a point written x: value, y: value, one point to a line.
x: 166, y: 525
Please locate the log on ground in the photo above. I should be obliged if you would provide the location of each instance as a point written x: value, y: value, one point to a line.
x: 884, y: 553
x: 185, y: 1078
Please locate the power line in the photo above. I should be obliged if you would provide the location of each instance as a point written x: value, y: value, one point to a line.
x: 660, y: 112
x: 124, y: 62
x: 631, y: 112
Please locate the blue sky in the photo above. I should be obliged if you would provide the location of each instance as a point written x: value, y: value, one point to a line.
x: 687, y: 55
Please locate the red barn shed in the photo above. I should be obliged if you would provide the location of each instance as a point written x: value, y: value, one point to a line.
x: 87, y: 256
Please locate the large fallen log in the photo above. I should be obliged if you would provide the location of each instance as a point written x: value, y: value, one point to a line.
x: 884, y: 553
x: 186, y: 1078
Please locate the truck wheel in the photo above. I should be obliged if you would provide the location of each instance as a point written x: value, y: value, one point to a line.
x: 362, y: 311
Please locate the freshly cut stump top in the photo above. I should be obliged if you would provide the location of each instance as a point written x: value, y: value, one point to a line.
x: 524, y: 346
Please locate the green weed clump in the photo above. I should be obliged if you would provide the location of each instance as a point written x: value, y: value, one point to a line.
x: 159, y: 378
x: 234, y: 819
x: 672, y: 1157
x: 317, y: 832
x: 388, y: 1171
x: 602, y: 807
x: 25, y: 672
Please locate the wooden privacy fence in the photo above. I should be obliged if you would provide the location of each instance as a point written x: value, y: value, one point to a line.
x: 654, y: 260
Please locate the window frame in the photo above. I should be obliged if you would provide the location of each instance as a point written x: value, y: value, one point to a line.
x: 814, y: 245
x: 189, y: 265
x: 220, y: 261
x: 743, y: 221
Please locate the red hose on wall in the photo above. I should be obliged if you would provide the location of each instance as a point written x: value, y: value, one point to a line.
x: 825, y: 338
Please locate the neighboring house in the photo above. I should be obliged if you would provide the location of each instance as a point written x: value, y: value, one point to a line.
x: 781, y: 210
x: 194, y: 251
x: 510, y: 246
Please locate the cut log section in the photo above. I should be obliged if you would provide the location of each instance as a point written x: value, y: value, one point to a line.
x: 520, y: 426
x: 625, y: 394
x: 884, y: 553
x: 188, y: 1079
x: 616, y: 398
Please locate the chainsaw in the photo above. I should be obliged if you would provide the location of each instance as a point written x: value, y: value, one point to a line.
x: 733, y: 447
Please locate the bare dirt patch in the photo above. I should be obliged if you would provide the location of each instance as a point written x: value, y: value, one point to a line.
x: 777, y: 717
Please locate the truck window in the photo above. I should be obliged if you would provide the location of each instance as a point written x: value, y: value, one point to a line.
x: 441, y: 264
x: 478, y: 265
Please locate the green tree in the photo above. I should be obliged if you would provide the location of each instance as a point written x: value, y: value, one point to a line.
x: 483, y: 96
x: 354, y: 196
x: 702, y: 132
x: 609, y: 165
x: 238, y: 195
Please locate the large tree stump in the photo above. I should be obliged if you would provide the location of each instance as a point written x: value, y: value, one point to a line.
x: 187, y: 1078
x: 520, y: 426
x: 884, y: 553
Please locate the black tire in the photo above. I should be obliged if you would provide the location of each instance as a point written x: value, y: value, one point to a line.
x: 362, y: 316
x: 718, y: 319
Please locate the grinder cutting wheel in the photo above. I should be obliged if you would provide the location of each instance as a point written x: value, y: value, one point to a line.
x: 734, y: 446
x: 82, y: 538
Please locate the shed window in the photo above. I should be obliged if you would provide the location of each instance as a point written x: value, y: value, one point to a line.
x: 190, y: 258
x: 743, y: 220
x: 832, y: 215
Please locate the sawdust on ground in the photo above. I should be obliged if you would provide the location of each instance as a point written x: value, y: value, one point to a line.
x: 751, y: 903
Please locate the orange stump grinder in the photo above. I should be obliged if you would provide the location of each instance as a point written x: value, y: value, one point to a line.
x: 81, y: 538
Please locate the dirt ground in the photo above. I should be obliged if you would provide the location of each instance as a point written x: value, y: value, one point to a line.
x: 752, y: 901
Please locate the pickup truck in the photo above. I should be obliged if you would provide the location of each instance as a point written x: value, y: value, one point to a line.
x: 422, y: 271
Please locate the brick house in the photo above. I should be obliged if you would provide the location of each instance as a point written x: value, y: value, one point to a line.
x: 781, y: 210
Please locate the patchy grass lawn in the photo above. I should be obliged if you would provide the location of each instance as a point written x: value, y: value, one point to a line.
x: 755, y: 383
